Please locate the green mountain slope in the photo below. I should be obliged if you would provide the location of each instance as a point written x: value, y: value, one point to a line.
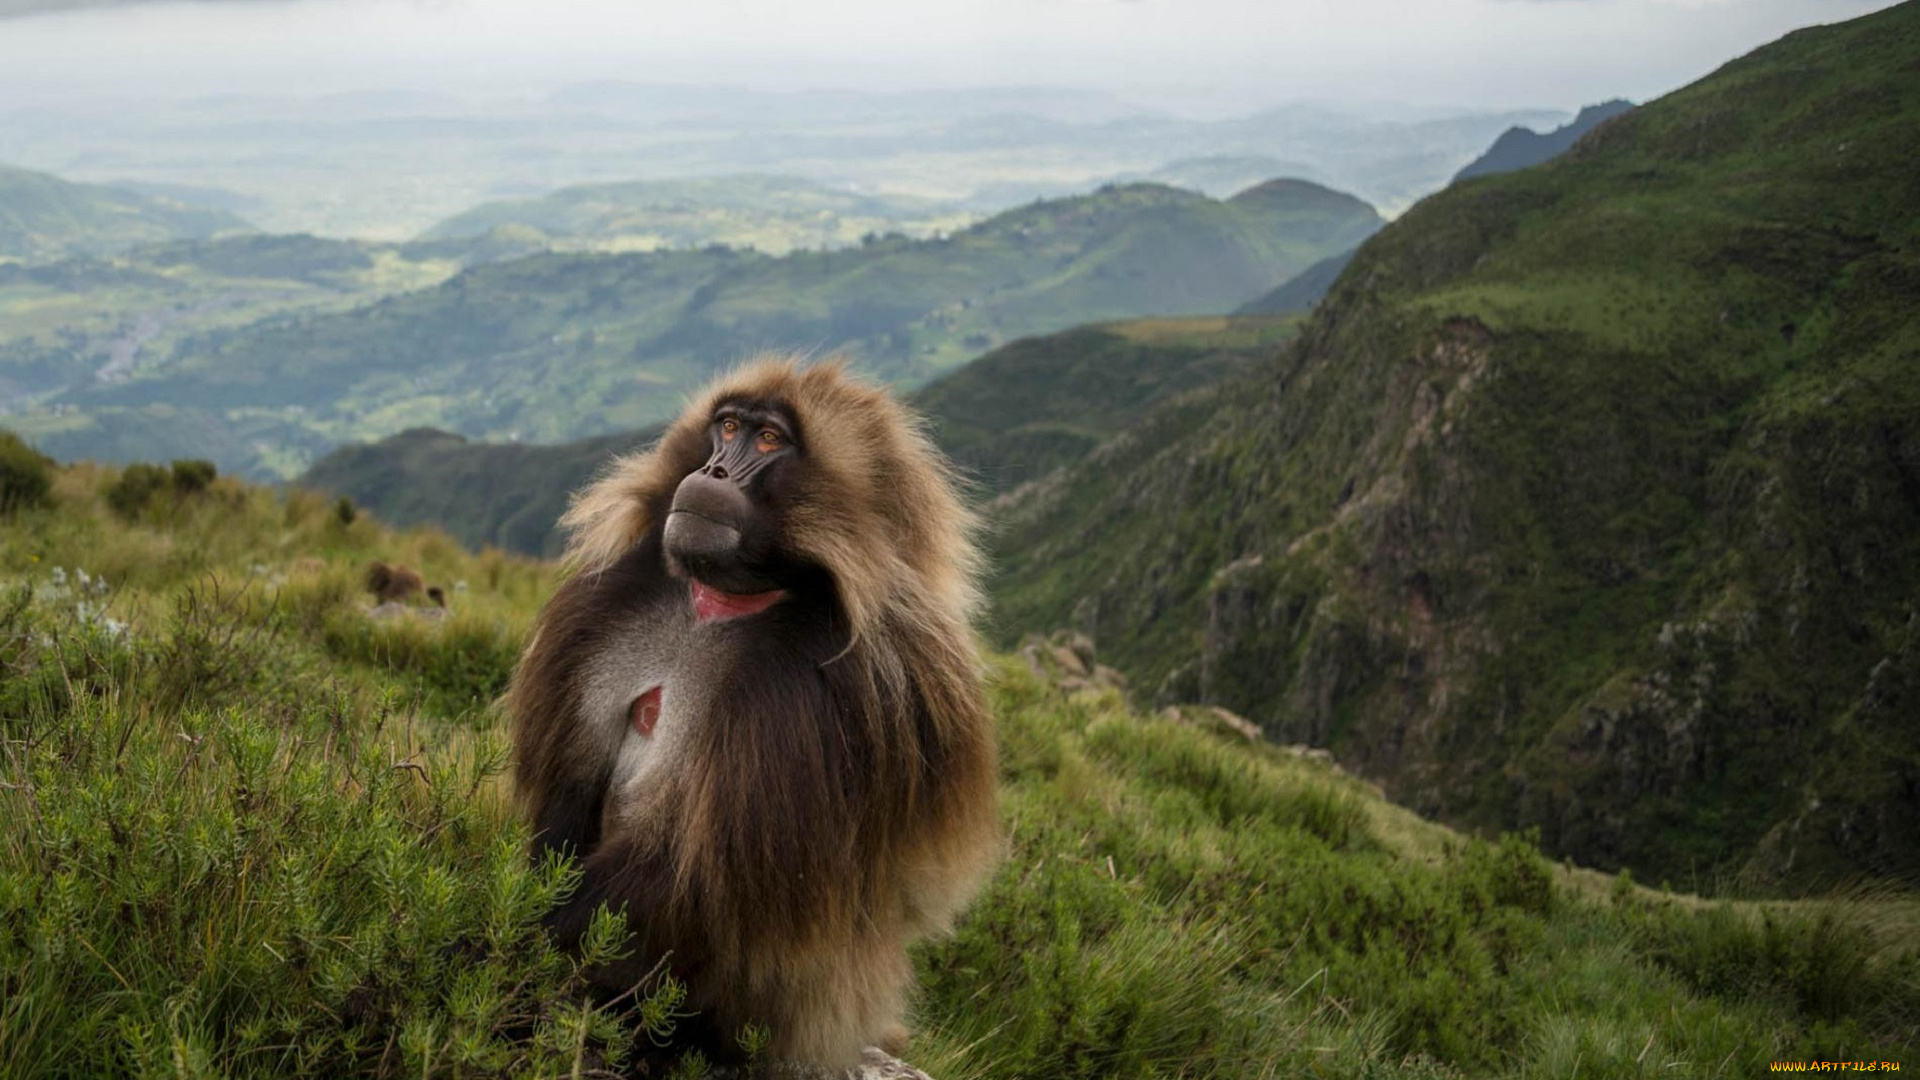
x: 1014, y: 414
x: 775, y: 214
x: 1033, y: 405
x: 559, y: 346
x: 508, y: 495
x: 45, y: 217
x: 1589, y: 499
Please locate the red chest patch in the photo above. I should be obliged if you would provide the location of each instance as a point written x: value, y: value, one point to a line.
x: 645, y: 712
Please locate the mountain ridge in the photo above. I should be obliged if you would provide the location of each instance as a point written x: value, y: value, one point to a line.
x: 1520, y: 148
x: 1516, y: 524
x: 552, y: 346
x: 43, y: 216
x: 1010, y: 416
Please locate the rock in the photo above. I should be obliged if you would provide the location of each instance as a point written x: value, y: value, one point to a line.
x: 394, y: 609
x: 1069, y: 661
x: 878, y: 1065
x: 1313, y: 753
x: 1065, y: 658
x: 1213, y: 718
x: 1235, y: 723
x: 875, y: 1064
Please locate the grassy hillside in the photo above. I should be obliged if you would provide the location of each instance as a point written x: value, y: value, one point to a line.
x: 774, y: 214
x: 247, y: 831
x: 1030, y: 406
x: 504, y: 495
x: 559, y: 346
x: 43, y: 217
x: 1014, y: 414
x: 1586, y: 500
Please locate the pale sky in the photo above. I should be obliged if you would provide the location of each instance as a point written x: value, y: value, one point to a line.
x: 1212, y: 56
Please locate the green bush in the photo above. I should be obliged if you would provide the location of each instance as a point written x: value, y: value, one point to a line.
x: 140, y: 484
x: 134, y: 491
x: 1811, y: 961
x: 26, y: 479
x: 191, y: 475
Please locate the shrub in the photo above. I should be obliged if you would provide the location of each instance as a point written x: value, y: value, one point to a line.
x: 192, y: 475
x: 133, y: 492
x: 25, y: 477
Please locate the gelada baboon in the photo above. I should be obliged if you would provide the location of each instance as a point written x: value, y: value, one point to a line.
x: 392, y: 584
x: 754, y: 712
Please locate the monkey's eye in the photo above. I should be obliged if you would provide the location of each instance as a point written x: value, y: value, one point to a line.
x: 729, y: 427
x: 769, y: 440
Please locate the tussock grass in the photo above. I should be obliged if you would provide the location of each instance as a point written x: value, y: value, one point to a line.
x: 247, y: 831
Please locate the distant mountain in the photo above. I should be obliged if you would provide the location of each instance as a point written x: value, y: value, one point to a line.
x: 1521, y: 148
x: 194, y: 195
x: 74, y: 323
x: 45, y: 217
x: 1221, y: 175
x: 1008, y: 417
x: 557, y: 346
x: 1518, y: 148
x: 1588, y: 500
x: 388, y: 165
x: 774, y: 214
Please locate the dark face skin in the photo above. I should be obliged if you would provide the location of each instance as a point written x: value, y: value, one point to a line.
x: 726, y: 521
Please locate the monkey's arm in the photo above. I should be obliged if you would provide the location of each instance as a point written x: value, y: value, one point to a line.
x: 566, y: 818
x: 627, y: 879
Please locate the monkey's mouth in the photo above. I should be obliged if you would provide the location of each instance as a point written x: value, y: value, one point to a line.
x: 710, y: 603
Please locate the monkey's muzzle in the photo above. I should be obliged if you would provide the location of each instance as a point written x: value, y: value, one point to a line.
x: 707, y: 519
x: 706, y: 535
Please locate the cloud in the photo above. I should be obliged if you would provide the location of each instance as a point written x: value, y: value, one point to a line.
x: 13, y: 9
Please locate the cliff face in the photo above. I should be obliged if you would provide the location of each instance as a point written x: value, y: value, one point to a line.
x: 1589, y: 499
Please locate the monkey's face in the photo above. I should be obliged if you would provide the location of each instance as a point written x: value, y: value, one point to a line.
x: 724, y: 529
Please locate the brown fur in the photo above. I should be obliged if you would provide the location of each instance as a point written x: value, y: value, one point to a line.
x: 831, y: 794
x: 392, y: 584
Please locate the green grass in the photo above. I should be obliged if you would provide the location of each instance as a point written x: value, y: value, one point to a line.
x: 245, y: 831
